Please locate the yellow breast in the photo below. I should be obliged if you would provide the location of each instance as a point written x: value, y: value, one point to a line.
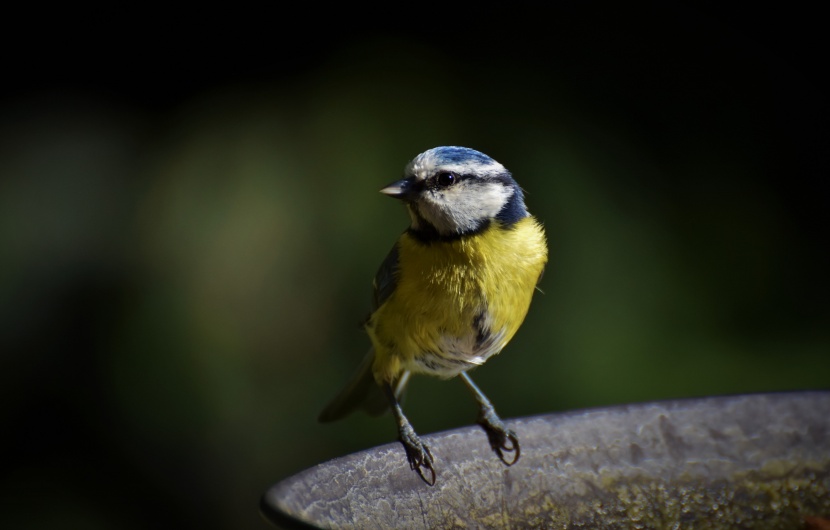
x: 457, y: 303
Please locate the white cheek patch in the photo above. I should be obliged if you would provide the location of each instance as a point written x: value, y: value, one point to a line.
x: 462, y: 208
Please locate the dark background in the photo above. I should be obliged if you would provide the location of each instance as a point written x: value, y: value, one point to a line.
x: 189, y: 225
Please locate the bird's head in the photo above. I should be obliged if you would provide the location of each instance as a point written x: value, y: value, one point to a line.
x: 455, y: 191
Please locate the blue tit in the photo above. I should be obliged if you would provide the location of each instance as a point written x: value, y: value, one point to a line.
x: 452, y: 292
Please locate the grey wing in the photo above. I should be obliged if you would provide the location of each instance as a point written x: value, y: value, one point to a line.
x: 362, y: 391
x: 386, y: 279
x: 384, y: 285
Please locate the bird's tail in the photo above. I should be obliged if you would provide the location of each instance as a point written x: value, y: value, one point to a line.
x: 362, y: 392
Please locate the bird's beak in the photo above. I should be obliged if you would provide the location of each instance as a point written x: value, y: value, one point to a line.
x: 403, y: 189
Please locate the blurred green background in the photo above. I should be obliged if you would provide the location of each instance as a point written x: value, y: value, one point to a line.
x: 190, y: 223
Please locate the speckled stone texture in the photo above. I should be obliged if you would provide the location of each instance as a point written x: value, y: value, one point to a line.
x: 751, y: 461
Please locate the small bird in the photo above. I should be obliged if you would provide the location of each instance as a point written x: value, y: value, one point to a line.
x: 451, y: 293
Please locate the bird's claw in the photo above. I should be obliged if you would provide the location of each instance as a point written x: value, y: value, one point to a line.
x: 502, y: 439
x: 419, y: 456
x: 498, y: 441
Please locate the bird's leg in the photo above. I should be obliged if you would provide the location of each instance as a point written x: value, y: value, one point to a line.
x: 498, y: 434
x: 417, y: 452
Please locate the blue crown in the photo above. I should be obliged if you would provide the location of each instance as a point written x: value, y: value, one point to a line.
x: 458, y: 155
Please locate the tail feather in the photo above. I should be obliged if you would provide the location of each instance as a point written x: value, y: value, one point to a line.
x: 362, y: 392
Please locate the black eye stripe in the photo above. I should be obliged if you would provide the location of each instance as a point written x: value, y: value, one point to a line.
x: 445, y: 179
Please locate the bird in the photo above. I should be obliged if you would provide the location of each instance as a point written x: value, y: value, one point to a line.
x: 452, y: 292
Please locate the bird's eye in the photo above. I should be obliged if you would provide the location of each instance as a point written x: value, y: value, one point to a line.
x: 445, y: 179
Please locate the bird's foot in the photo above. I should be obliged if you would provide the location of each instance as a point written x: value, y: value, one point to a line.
x: 502, y: 439
x: 418, y: 454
